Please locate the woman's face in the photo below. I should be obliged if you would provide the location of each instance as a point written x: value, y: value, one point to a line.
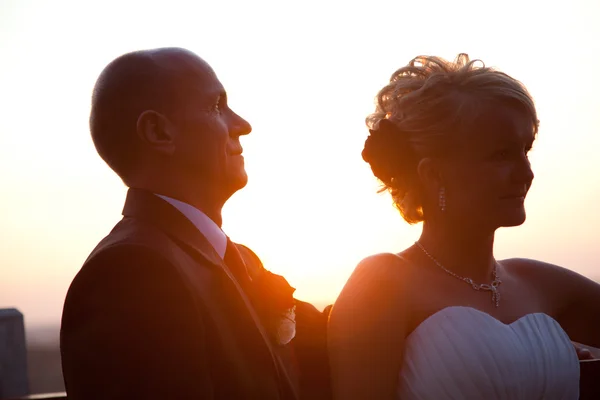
x: 488, y: 178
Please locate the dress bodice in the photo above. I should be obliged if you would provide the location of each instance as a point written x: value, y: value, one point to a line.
x: 463, y: 353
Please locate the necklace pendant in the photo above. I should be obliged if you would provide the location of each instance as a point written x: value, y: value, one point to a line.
x: 495, y: 296
x: 493, y: 287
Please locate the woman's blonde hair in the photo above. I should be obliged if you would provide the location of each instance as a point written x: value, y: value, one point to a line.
x: 421, y: 111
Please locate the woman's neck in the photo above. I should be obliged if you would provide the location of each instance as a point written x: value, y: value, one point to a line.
x: 466, y: 253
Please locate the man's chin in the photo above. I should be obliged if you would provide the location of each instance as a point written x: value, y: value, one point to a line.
x: 241, y: 184
x: 238, y: 182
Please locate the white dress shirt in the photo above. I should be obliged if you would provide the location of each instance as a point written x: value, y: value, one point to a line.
x: 215, y: 235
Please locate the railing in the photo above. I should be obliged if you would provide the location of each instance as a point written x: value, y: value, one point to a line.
x: 13, y: 354
x: 14, y: 381
x: 589, y: 388
x: 45, y: 396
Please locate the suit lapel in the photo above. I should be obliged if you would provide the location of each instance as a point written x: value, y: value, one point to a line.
x: 283, y: 371
x: 144, y: 205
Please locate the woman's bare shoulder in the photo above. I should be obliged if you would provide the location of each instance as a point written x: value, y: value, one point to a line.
x: 537, y: 269
x: 562, y: 284
x: 367, y: 327
x: 377, y: 283
x: 388, y: 265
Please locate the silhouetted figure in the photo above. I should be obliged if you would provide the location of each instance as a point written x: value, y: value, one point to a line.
x: 167, y: 306
x: 444, y: 319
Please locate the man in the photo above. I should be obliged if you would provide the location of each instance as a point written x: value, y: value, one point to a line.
x: 166, y: 306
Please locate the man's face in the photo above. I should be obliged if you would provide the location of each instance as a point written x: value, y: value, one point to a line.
x: 208, y: 151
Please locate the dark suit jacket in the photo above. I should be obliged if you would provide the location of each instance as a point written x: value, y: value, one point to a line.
x: 589, y: 381
x: 154, y: 315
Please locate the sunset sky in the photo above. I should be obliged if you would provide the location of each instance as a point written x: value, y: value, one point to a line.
x: 304, y: 74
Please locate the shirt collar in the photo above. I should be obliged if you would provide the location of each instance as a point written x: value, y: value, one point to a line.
x: 213, y: 233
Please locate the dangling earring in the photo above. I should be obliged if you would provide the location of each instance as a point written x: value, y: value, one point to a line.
x: 442, y: 201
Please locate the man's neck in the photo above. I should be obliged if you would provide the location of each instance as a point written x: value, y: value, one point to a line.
x: 203, y: 200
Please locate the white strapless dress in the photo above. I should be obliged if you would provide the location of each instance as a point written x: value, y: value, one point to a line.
x: 463, y: 353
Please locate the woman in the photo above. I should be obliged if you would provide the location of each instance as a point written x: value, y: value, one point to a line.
x: 444, y: 319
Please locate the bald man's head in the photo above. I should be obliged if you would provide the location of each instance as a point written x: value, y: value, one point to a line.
x: 161, y: 80
x: 161, y: 120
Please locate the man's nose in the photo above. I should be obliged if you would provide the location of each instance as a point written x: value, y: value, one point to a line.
x: 239, y: 126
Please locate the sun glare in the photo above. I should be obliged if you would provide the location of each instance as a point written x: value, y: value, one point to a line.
x: 305, y: 76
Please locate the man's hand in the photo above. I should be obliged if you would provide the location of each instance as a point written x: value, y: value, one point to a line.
x: 583, y: 353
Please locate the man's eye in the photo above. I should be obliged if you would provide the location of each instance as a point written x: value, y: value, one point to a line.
x: 220, y: 105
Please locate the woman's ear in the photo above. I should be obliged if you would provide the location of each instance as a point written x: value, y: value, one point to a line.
x: 430, y: 175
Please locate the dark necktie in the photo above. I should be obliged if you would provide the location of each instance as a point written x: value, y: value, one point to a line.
x: 236, y: 265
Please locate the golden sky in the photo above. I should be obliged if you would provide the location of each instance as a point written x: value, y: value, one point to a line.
x: 304, y: 74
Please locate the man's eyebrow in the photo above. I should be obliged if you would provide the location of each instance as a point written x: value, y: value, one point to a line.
x: 218, y: 95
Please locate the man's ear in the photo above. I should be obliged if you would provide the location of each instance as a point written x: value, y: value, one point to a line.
x: 430, y: 175
x: 156, y: 132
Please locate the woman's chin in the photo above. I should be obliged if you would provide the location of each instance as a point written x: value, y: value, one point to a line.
x: 514, y: 220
